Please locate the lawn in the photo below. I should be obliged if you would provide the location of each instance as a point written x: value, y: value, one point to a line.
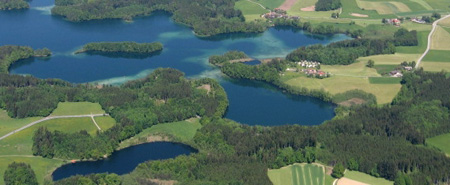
x: 42, y: 167
x: 384, y: 80
x: 182, y: 131
x: 299, y: 174
x: 365, y: 178
x: 437, y: 56
x: 8, y: 124
x: 441, y: 141
x: 21, y: 142
x: 440, y: 39
x: 77, y: 108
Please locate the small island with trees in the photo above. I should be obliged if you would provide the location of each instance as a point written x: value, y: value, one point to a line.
x: 121, y: 47
x: 13, y: 4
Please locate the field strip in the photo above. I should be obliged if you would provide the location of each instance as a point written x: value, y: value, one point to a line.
x: 49, y: 118
x: 258, y: 4
x: 429, y: 40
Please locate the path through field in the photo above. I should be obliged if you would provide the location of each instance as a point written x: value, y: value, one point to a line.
x: 53, y: 117
x: 429, y: 39
x: 287, y: 4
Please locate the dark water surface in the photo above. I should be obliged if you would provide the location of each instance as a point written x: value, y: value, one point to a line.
x: 125, y: 160
x: 250, y: 102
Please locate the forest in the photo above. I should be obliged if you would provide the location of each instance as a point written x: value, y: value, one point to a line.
x: 13, y: 4
x: 123, y: 47
x: 326, y: 5
x: 347, y: 51
x: 206, y: 17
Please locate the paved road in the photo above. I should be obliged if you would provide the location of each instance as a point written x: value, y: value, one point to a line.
x: 49, y: 118
x: 429, y: 40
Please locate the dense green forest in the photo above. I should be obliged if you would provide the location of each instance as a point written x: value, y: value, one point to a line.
x: 382, y: 141
x: 206, y: 17
x: 346, y: 52
x: 19, y: 173
x: 326, y: 5
x: 13, y: 4
x: 123, y: 47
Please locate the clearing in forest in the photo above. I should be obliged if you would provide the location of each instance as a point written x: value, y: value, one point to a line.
x: 441, y: 141
x: 77, y: 108
x: 298, y: 174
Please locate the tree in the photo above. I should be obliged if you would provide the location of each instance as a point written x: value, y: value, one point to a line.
x: 353, y: 164
x: 338, y: 171
x: 19, y: 173
x: 370, y: 63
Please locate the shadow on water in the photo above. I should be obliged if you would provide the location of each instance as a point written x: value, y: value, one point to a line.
x: 123, y: 54
x: 125, y: 160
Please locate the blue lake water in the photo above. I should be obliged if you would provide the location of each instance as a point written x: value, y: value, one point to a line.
x: 125, y: 160
x: 250, y: 102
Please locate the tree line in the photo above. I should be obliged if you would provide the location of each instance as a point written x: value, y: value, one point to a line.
x: 206, y: 17
x: 13, y: 4
x: 346, y: 52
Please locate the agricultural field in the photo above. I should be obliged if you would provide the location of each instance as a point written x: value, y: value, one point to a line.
x: 384, y: 80
x: 384, y: 69
x: 438, y: 56
x: 105, y: 122
x: 299, y: 174
x: 77, y: 108
x: 440, y: 39
x: 180, y: 131
x: 365, y: 178
x: 441, y: 141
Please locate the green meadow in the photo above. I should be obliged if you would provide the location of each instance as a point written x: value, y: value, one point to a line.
x: 384, y: 80
x: 365, y: 178
x: 182, y: 131
x: 77, y: 108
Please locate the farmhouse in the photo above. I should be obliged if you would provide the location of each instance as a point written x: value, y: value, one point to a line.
x: 417, y: 20
x: 395, y: 22
x: 315, y: 72
x: 396, y: 74
x: 278, y: 13
x: 292, y: 69
x: 408, y: 68
x: 308, y: 64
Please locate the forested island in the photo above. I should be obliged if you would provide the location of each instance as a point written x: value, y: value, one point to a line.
x: 121, y: 47
x: 13, y: 4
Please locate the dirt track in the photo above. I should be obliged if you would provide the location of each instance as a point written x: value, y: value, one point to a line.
x: 345, y: 181
x: 287, y: 5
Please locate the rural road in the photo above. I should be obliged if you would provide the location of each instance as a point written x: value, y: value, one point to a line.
x: 53, y: 117
x: 429, y: 40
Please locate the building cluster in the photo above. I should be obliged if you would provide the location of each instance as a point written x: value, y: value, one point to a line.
x: 308, y: 64
x: 418, y: 20
x: 315, y: 73
x: 278, y: 13
x: 396, y: 73
x: 395, y: 22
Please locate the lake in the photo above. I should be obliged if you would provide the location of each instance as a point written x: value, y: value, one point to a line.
x: 250, y: 102
x: 125, y: 160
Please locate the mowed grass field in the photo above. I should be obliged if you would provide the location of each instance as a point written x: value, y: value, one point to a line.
x: 440, y: 39
x: 8, y: 124
x: 298, y: 174
x: 183, y: 131
x: 441, y: 141
x: 365, y: 178
x: 77, y: 108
